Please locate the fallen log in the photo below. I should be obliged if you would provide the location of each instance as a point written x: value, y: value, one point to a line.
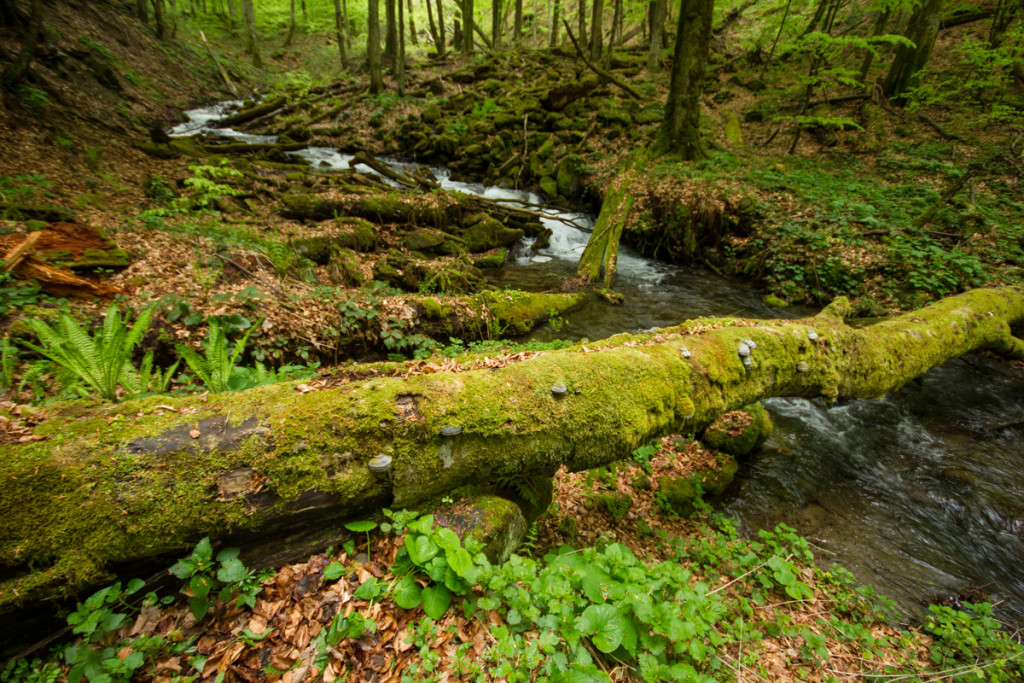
x: 120, y: 483
x: 60, y: 282
x: 602, y: 250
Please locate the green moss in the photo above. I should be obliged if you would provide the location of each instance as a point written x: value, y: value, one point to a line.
x: 741, y: 432
x: 520, y: 312
x: 775, y: 302
x: 616, y: 504
x: 549, y: 186
x: 483, y: 233
x: 493, y: 259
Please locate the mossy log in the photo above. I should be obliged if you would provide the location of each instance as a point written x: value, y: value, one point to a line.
x: 255, y: 111
x: 112, y: 484
x: 602, y: 251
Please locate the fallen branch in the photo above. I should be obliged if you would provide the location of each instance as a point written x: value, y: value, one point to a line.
x: 598, y: 70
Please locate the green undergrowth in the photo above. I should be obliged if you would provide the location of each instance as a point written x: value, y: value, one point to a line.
x: 701, y: 614
x: 845, y: 224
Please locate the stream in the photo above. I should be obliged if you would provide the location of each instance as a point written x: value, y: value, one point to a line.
x: 920, y: 494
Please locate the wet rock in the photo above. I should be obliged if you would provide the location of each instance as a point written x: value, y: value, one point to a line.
x: 498, y: 523
x: 483, y: 233
x: 568, y: 178
x: 549, y: 187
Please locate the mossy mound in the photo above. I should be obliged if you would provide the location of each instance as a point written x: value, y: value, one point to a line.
x: 740, y: 432
x: 682, y: 492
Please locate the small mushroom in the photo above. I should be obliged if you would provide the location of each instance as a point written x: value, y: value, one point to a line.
x: 686, y: 352
x: 379, y: 463
x: 802, y: 366
x: 450, y: 430
x: 750, y: 343
x: 559, y: 390
x: 812, y: 335
x: 744, y: 353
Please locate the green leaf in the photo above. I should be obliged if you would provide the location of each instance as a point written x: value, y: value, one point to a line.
x: 232, y: 571
x: 436, y: 600
x: 361, y: 526
x: 424, y: 524
x: 421, y: 548
x: 460, y: 561
x: 199, y: 607
x: 408, y: 593
x: 228, y: 554
x: 200, y: 585
x: 604, y: 625
x: 368, y: 590
x: 334, y: 571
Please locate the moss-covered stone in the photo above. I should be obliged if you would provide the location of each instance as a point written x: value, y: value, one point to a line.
x: 549, y: 186
x: 616, y: 504
x: 492, y: 259
x: 424, y: 240
x: 774, y: 301
x: 343, y: 268
x: 431, y: 114
x: 740, y: 432
x: 483, y: 233
x: 683, y: 492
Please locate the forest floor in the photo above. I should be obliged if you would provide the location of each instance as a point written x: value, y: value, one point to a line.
x: 252, y: 239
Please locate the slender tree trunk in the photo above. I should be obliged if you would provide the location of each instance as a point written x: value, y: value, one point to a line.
x: 390, y: 34
x: 291, y: 26
x: 373, y: 46
x: 158, y: 18
x: 14, y: 72
x: 905, y: 71
x: 1006, y: 10
x: 596, y: 30
x: 782, y: 27
x: 142, y: 11
x: 680, y: 131
x: 555, y: 19
x: 232, y: 16
x: 344, y: 16
x: 339, y: 31
x: 467, y: 26
x: 616, y: 37
x: 400, y: 62
x: 581, y: 16
x: 305, y: 15
x: 443, y: 47
x: 657, y: 24
x: 412, y: 26
x: 249, y: 17
x: 519, y: 20
x: 495, y: 23
x: 819, y: 12
x: 432, y: 27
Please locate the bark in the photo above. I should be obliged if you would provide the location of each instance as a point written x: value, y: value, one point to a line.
x: 869, y: 57
x: 249, y: 17
x: 158, y: 18
x: 555, y: 18
x: 468, y: 24
x: 596, y: 30
x: 495, y: 23
x: 432, y: 27
x: 147, y: 478
x: 339, y: 32
x: 440, y: 28
x: 581, y: 17
x: 657, y: 21
x: 373, y: 46
x: 142, y: 11
x: 905, y: 72
x: 519, y: 22
x: 400, y: 61
x: 680, y: 131
x: 291, y: 26
x: 412, y: 27
x: 232, y: 17
x: 390, y: 34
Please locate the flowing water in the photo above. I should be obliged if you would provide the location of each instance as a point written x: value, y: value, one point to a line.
x: 920, y: 494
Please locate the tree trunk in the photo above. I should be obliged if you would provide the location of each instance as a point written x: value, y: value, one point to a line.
x: 412, y: 26
x: 495, y: 23
x: 440, y: 29
x: 390, y: 34
x: 142, y: 11
x: 249, y: 17
x: 291, y: 26
x: 158, y: 18
x: 468, y: 23
x: 339, y: 32
x: 869, y: 57
x: 519, y: 21
x: 905, y: 72
x: 119, y: 483
x: 596, y: 30
x: 16, y: 70
x: 373, y: 46
x: 555, y: 18
x: 680, y: 131
x: 232, y: 16
x: 581, y: 16
x: 432, y: 27
x: 657, y: 13
x: 400, y: 61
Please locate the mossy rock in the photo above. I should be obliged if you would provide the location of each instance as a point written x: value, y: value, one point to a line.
x: 733, y: 132
x: 425, y: 240
x: 362, y: 234
x: 305, y: 206
x: 616, y: 504
x: 519, y: 312
x: 739, y: 432
x: 568, y: 178
x: 496, y: 522
x: 682, y: 492
x: 343, y: 268
x: 774, y: 301
x: 615, y: 117
x: 483, y: 233
x: 549, y: 186
x: 431, y: 114
x: 102, y: 258
x: 492, y: 259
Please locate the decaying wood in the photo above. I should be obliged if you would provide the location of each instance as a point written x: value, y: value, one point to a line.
x: 148, y: 478
x: 380, y: 167
x: 20, y: 251
x: 216, y: 62
x: 60, y: 282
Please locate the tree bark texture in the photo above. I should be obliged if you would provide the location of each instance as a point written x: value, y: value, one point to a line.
x: 120, y: 483
x: 905, y: 71
x: 249, y: 16
x: 596, y: 30
x: 680, y: 131
x: 657, y: 22
x: 390, y: 34
x: 412, y: 26
x: 556, y: 12
x: 339, y: 32
x: 373, y: 46
x: 468, y: 24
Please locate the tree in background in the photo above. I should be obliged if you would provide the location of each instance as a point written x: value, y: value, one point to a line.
x: 340, y: 28
x: 905, y: 72
x: 249, y: 17
x: 373, y: 46
x: 657, y: 23
x: 680, y: 130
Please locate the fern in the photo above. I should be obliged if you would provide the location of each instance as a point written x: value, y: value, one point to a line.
x: 216, y: 368
x: 8, y: 362
x: 153, y: 379
x: 102, y: 362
